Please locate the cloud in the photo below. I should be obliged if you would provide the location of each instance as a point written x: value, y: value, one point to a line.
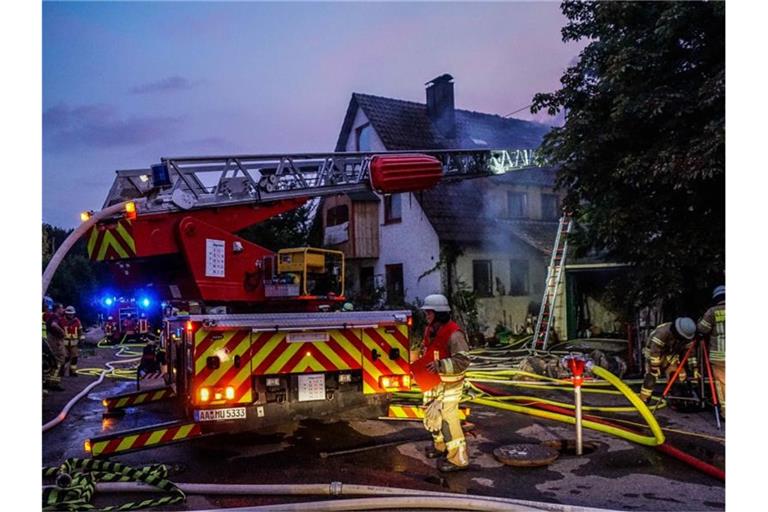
x: 170, y: 84
x: 100, y: 126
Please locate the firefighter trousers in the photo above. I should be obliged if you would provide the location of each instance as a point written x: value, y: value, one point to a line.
x: 59, y: 352
x: 72, y: 352
x: 718, y: 370
x: 443, y: 422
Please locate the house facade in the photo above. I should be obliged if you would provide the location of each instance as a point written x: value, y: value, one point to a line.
x: 492, y: 236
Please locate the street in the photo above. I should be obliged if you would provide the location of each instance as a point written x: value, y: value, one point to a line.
x: 617, y: 475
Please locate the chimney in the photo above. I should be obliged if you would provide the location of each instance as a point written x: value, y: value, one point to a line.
x: 440, y: 105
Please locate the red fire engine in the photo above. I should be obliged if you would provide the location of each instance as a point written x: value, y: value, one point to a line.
x: 263, y: 339
x: 125, y: 319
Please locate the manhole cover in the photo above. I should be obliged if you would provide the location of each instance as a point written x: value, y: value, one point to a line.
x: 526, y: 454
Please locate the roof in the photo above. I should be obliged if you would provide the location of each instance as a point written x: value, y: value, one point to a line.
x: 404, y: 125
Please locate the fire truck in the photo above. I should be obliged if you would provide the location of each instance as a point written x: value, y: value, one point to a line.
x: 252, y: 337
x: 127, y: 319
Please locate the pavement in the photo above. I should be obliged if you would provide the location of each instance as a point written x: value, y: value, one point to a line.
x: 616, y: 475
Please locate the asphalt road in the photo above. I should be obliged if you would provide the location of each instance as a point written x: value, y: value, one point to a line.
x: 617, y: 475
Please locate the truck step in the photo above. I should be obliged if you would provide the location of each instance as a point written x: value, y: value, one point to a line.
x: 142, y: 438
x: 135, y: 398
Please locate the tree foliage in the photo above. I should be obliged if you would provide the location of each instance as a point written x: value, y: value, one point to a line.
x: 289, y: 229
x: 77, y: 280
x: 642, y: 150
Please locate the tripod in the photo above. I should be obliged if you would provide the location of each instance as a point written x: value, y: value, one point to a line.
x: 698, y: 343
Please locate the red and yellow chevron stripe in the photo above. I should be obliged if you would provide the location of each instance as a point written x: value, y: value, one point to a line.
x: 275, y: 354
x: 228, y: 346
x: 134, y: 441
x: 416, y: 412
x: 383, y: 340
x: 141, y: 397
x: 271, y: 353
x: 111, y: 241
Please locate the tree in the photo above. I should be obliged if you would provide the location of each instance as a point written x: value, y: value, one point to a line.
x: 289, y: 229
x: 76, y: 281
x: 642, y: 150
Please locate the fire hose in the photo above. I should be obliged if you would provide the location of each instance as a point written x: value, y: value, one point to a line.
x: 549, y: 411
x: 73, y: 237
x: 104, y: 373
x: 77, y: 480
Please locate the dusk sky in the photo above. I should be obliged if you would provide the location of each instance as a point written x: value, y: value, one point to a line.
x: 125, y: 84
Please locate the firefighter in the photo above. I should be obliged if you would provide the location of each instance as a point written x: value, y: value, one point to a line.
x: 665, y: 348
x: 55, y: 339
x: 109, y: 328
x: 73, y: 334
x: 712, y: 324
x: 143, y: 326
x: 128, y: 324
x: 444, y: 339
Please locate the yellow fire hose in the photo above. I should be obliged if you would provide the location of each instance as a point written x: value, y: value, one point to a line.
x: 656, y: 439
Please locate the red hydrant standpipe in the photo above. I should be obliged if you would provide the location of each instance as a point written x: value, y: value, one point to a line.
x: 576, y: 364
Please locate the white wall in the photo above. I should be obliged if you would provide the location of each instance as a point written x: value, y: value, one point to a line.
x: 360, y: 120
x: 412, y: 242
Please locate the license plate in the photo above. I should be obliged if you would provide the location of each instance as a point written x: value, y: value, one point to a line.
x: 234, y: 413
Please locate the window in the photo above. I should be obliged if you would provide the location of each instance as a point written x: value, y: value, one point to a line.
x: 481, y: 278
x: 392, y: 208
x: 518, y: 277
x: 363, y: 137
x: 550, y: 207
x: 517, y: 205
x: 395, y: 292
x: 337, y: 215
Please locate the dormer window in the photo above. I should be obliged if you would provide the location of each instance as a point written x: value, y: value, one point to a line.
x: 550, y: 206
x: 517, y: 205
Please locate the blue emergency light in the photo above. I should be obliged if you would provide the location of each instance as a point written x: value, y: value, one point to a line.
x: 145, y: 302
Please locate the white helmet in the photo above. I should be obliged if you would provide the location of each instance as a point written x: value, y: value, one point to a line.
x: 436, y: 302
x: 685, y: 327
x: 70, y: 310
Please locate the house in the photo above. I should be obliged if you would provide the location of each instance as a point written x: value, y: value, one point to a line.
x: 492, y: 235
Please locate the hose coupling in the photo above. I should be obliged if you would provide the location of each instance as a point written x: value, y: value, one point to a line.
x: 335, y: 489
x: 63, y: 480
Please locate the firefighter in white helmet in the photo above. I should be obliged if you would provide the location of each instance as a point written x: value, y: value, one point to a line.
x: 446, y: 342
x: 73, y: 333
x: 664, y: 350
x: 712, y: 324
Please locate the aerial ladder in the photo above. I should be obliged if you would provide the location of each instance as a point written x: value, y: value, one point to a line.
x: 257, y: 337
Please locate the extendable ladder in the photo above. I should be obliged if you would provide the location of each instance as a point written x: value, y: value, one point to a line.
x: 184, y: 183
x: 554, y: 277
